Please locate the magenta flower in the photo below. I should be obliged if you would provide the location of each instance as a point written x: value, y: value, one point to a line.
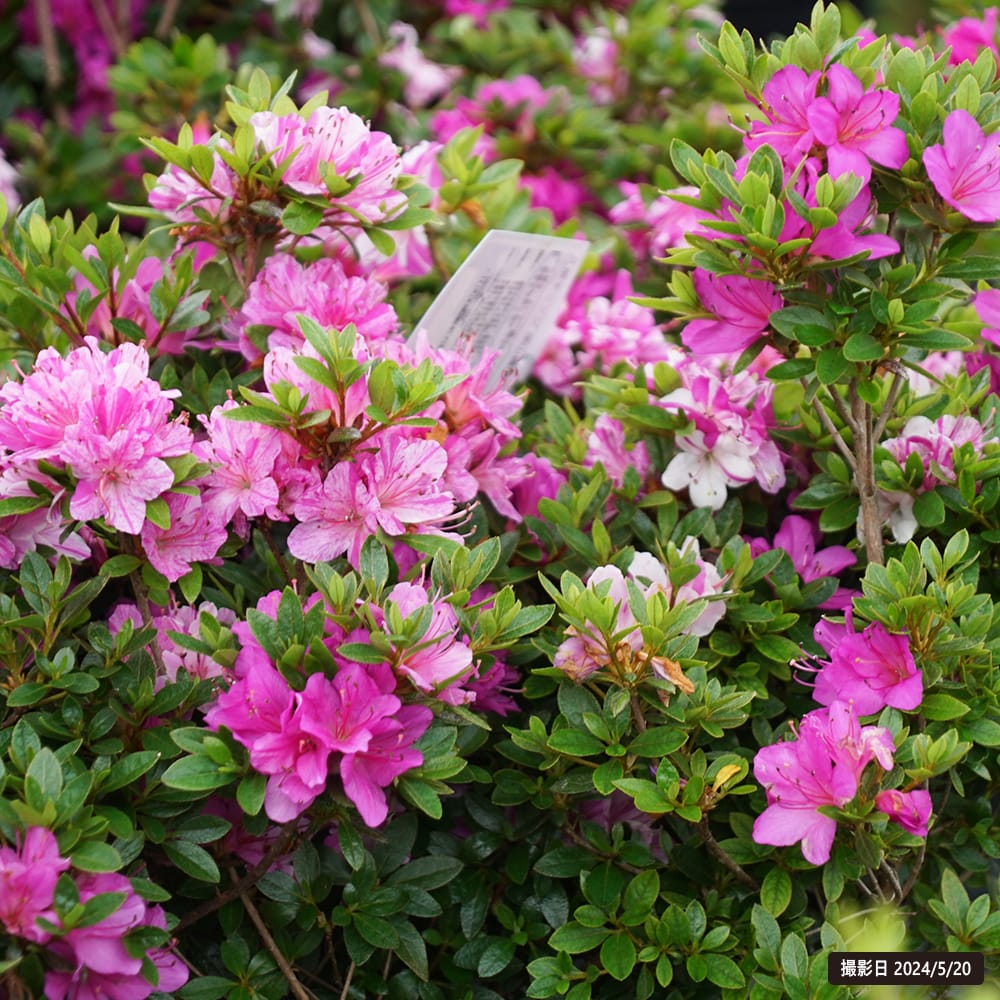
x: 424, y: 79
x: 606, y: 444
x: 987, y: 305
x: 479, y: 10
x: 788, y: 96
x: 856, y: 127
x: 799, y: 777
x: 911, y: 810
x: 741, y: 309
x: 390, y: 752
x: 399, y: 485
x: 284, y: 289
x: 340, y: 713
x: 822, y: 767
x: 244, y: 455
x: 259, y: 703
x: 798, y: 536
x: 195, y: 534
x: 440, y: 661
x: 334, y: 142
x: 105, y: 966
x: 968, y: 36
x: 28, y: 876
x: 871, y: 669
x: 965, y: 169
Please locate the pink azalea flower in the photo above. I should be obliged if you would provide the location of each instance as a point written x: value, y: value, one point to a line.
x: 28, y: 876
x: 335, y: 521
x: 730, y: 444
x: 911, y: 810
x: 339, y: 713
x: 184, y: 199
x: 244, y: 455
x: 788, y: 96
x: 195, y: 534
x: 440, y: 661
x: 871, y: 669
x: 284, y: 289
x: 478, y: 10
x: 345, y: 146
x: 185, y: 620
x: 606, y: 444
x: 987, y: 305
x: 390, y: 752
x: 965, y: 169
x: 798, y: 536
x: 397, y: 486
x: 556, y: 189
x: 259, y: 703
x: 425, y: 80
x: 653, y: 229
x: 596, y: 58
x: 855, y: 126
x: 968, y: 36
x: 100, y: 415
x: 741, y: 310
x: 821, y: 767
x: 544, y: 480
x: 105, y: 968
x: 935, y: 442
x: 706, y: 583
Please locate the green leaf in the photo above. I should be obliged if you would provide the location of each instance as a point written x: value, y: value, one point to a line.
x: 192, y: 860
x: 795, y: 369
x: 129, y: 768
x: 572, y: 741
x: 250, y: 793
x: 158, y: 513
x: 618, y: 955
x: 658, y: 741
x: 840, y: 514
x: 942, y: 707
x: 565, y: 862
x: 205, y: 988
x: 928, y: 509
x: 777, y: 648
x: 430, y: 872
x: 195, y: 774
x: 641, y: 893
x: 46, y: 774
x: 301, y: 218
x: 985, y: 732
x: 412, y: 949
x: 28, y: 693
x: 831, y: 366
x: 862, y: 347
x: 94, y: 856
x: 376, y: 931
x: 776, y: 891
x: 496, y: 957
x: 724, y: 972
x: 202, y: 829
x: 575, y: 940
x: 794, y: 957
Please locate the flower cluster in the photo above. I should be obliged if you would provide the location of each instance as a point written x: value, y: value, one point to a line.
x: 729, y: 443
x: 92, y: 959
x: 866, y: 672
x: 96, y: 425
x: 621, y: 649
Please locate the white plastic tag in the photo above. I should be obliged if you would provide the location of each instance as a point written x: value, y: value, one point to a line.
x: 506, y: 297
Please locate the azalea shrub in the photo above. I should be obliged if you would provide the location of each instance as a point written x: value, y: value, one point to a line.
x: 337, y: 663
